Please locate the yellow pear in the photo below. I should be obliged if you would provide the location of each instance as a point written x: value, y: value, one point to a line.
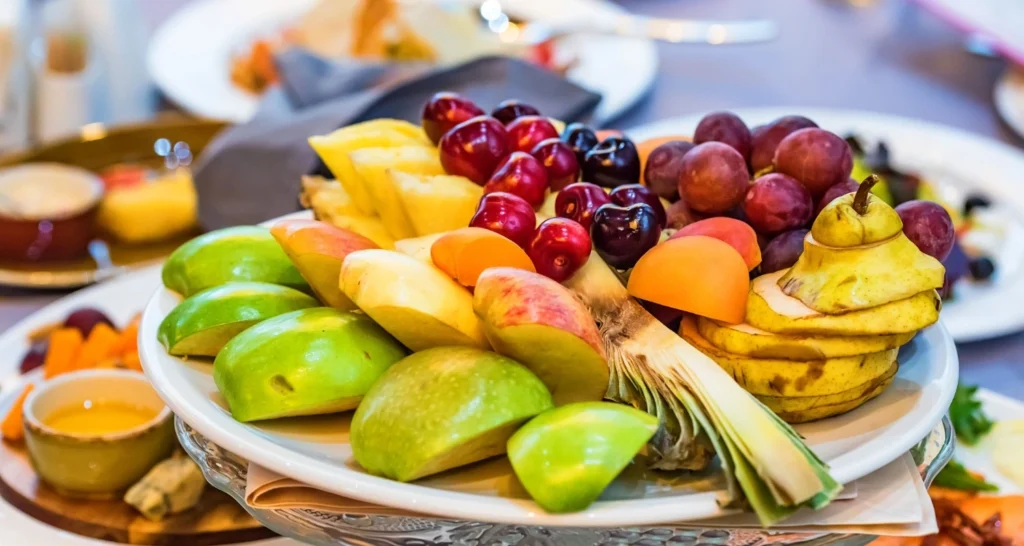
x: 771, y: 309
x: 744, y: 339
x: 802, y: 409
x: 856, y: 219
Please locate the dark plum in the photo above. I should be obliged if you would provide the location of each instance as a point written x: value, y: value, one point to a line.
x: 509, y: 110
x: 776, y: 203
x: 724, y: 127
x: 668, y: 316
x: 581, y: 139
x: 766, y: 138
x: 663, y: 168
x: 578, y: 202
x: 559, y: 248
x: 928, y: 225
x: 444, y: 111
x: 631, y: 194
x: 559, y: 161
x: 621, y: 235
x: 612, y: 163
x: 783, y: 251
x: 714, y: 178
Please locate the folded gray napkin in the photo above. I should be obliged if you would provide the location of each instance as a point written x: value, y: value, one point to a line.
x: 251, y: 172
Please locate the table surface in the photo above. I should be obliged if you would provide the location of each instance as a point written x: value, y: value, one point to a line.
x: 889, y: 56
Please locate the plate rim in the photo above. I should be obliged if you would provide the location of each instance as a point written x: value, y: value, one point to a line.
x: 1012, y: 319
x: 162, y: 45
x: 361, y: 486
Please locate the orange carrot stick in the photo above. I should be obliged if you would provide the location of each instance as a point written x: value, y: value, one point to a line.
x: 63, y: 349
x: 13, y: 427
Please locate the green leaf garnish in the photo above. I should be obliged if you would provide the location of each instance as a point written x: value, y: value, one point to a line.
x: 968, y: 419
x: 955, y: 476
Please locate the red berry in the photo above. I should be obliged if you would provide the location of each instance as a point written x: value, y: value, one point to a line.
x: 578, y: 202
x: 474, y: 148
x: 520, y: 174
x: 560, y: 162
x: 508, y: 215
x: 559, y: 248
x: 526, y: 132
x: 444, y: 111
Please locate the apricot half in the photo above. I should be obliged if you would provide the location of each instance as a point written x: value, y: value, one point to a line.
x: 736, y: 233
x: 697, y: 274
x: 467, y: 252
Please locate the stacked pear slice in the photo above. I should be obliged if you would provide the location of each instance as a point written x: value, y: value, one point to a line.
x: 822, y: 337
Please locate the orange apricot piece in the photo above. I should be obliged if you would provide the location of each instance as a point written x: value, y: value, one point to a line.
x: 605, y: 133
x: 697, y: 274
x: 736, y: 233
x: 465, y: 253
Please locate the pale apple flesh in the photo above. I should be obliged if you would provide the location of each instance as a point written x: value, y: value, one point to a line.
x: 415, y: 302
x: 538, y: 322
x: 307, y: 362
x: 317, y: 250
x: 418, y: 247
x: 443, y: 408
x: 202, y: 324
x: 567, y: 457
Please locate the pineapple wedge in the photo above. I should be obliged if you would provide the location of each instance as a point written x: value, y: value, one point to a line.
x: 332, y: 204
x: 368, y: 226
x: 423, y: 197
x: 418, y: 247
x: 372, y: 165
x: 334, y: 150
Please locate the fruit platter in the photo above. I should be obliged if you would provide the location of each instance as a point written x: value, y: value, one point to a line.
x: 499, y: 318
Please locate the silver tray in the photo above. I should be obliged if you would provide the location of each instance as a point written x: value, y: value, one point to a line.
x: 227, y: 472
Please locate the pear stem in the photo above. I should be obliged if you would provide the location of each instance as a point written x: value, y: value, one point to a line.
x: 860, y: 201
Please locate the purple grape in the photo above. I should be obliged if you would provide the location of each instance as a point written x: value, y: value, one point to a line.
x: 835, y: 192
x: 85, y: 319
x: 776, y: 203
x: 663, y: 168
x: 621, y: 235
x: 510, y: 110
x: 764, y: 139
x: 35, y: 356
x: 724, y: 127
x: 928, y: 226
x: 783, y: 251
x: 817, y: 158
x: 714, y: 178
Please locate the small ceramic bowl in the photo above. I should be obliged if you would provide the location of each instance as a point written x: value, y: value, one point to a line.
x: 100, y: 465
x: 47, y: 211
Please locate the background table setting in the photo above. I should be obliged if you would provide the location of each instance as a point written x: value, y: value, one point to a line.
x: 154, y: 122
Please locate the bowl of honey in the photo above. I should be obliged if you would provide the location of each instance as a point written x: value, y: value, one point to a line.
x: 94, y: 433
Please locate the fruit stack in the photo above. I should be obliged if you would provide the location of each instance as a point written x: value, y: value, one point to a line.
x: 821, y: 337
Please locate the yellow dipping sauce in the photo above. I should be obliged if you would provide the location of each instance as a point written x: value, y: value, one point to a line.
x: 99, y: 417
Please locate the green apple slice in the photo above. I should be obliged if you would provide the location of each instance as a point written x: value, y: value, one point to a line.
x: 307, y: 362
x: 203, y: 323
x: 236, y: 254
x: 443, y: 408
x: 566, y: 457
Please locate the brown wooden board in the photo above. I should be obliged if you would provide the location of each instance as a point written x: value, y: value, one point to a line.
x: 216, y: 520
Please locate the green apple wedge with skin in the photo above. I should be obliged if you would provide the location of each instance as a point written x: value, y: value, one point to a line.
x: 317, y: 249
x: 307, y: 362
x: 235, y: 254
x: 538, y: 322
x: 566, y: 457
x: 443, y: 408
x: 415, y: 302
x: 205, y: 322
x: 744, y: 339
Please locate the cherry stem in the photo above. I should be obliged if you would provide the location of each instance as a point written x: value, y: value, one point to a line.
x: 860, y: 201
